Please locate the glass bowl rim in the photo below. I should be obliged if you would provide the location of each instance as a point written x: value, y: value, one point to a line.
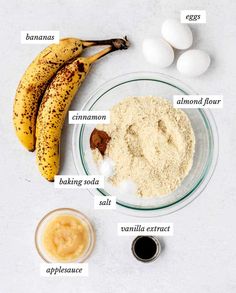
x: 208, y: 121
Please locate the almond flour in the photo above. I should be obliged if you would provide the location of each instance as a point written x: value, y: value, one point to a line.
x: 151, y: 144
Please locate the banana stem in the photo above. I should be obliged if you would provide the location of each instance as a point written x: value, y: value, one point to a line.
x: 104, y: 42
x: 116, y: 44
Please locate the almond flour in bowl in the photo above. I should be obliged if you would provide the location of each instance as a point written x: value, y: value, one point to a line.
x: 147, y: 84
x: 152, y: 144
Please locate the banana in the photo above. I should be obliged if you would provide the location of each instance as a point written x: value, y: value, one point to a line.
x: 35, y: 80
x: 54, y: 107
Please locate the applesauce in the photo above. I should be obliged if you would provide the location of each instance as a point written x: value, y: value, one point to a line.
x: 65, y: 238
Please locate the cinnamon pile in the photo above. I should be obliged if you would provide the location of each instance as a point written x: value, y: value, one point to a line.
x: 99, y: 140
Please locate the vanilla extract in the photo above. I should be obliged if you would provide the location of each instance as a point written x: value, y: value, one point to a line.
x: 146, y: 248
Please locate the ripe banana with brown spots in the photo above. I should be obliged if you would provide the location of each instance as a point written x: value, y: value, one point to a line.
x: 35, y: 80
x: 54, y: 107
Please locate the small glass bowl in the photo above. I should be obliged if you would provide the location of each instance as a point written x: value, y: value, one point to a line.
x: 50, y: 216
x: 205, y: 130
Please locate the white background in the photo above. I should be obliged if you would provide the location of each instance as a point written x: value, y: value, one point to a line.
x: 201, y: 256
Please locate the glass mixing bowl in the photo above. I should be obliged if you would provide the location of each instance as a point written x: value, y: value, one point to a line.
x: 205, y: 130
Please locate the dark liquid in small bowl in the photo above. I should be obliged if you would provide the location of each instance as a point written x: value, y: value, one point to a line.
x: 146, y: 248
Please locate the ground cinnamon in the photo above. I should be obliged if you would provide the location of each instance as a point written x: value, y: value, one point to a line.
x: 99, y: 140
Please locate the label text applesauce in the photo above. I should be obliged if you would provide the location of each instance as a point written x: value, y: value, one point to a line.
x: 64, y: 270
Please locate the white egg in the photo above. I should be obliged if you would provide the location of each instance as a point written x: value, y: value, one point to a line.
x: 158, y: 52
x: 106, y: 167
x: 179, y: 35
x: 193, y: 63
x: 128, y: 187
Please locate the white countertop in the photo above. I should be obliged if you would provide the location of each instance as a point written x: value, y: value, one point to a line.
x: 201, y: 256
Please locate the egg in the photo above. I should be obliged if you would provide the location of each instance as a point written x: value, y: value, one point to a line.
x: 106, y: 167
x: 158, y: 52
x: 177, y: 34
x: 193, y: 63
x: 128, y: 187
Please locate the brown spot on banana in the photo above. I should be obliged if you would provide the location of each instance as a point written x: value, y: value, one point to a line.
x: 35, y: 80
x: 54, y: 107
